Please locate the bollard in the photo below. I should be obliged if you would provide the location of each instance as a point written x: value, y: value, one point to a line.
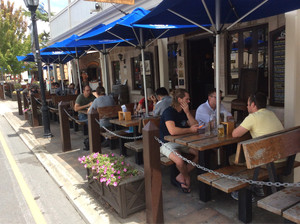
x: 2, y: 91
x: 34, y: 113
x: 153, y: 176
x: 19, y: 102
x: 64, y: 127
x: 94, y: 131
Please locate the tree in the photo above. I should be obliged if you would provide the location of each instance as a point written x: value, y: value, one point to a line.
x: 13, y: 39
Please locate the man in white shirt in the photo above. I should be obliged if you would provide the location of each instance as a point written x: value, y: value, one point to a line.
x: 204, y: 111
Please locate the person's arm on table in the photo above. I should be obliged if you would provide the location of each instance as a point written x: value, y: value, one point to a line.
x: 77, y: 107
x: 180, y: 131
x: 239, y: 131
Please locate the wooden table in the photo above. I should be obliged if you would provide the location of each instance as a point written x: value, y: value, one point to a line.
x: 134, y: 122
x: 203, y: 144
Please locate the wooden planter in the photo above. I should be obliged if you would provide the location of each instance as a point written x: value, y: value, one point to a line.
x: 127, y: 198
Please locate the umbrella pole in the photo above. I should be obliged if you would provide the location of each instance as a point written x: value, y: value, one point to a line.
x: 217, y: 65
x: 49, y: 77
x: 78, y: 72
x: 105, y: 76
x: 61, y: 76
x: 144, y: 71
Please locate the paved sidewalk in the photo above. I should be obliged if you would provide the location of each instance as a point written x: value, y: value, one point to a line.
x: 71, y: 178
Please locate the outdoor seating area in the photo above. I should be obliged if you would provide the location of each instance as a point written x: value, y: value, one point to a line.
x: 191, y: 102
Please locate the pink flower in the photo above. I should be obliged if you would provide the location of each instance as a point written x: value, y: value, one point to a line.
x: 112, y: 175
x: 125, y: 170
x: 85, y: 166
x: 115, y: 184
x: 112, y: 155
x: 93, y: 167
x: 119, y: 177
x: 118, y: 172
x: 122, y: 163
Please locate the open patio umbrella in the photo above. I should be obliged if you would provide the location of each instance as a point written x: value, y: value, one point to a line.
x: 218, y: 13
x: 81, y: 46
x: 122, y: 29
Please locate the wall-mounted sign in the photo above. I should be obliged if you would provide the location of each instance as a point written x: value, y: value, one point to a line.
x: 126, y: 2
x: 277, y: 38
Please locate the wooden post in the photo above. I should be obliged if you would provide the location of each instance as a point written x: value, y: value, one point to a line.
x: 2, y: 91
x: 19, y: 102
x: 153, y: 176
x: 94, y: 131
x: 35, y: 118
x: 64, y: 127
x: 26, y: 105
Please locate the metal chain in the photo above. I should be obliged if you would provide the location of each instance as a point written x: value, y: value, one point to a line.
x: 70, y: 116
x: 37, y: 100
x: 276, y: 184
x: 120, y: 136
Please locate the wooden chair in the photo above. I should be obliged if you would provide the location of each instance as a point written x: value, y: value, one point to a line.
x: 248, y: 84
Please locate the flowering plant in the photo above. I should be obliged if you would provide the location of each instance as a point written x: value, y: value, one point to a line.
x: 108, y: 168
x: 27, y: 109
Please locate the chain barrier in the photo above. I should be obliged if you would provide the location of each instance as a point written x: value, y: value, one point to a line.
x: 38, y: 101
x: 73, y: 118
x: 120, y: 136
x: 269, y: 184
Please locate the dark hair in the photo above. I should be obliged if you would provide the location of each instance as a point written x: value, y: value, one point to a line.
x: 100, y: 90
x: 259, y: 99
x: 213, y: 90
x: 162, y: 91
x: 178, y: 93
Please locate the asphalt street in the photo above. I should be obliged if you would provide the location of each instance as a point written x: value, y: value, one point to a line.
x: 28, y: 194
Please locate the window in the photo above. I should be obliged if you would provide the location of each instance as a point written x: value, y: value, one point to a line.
x: 248, y: 48
x: 137, y: 73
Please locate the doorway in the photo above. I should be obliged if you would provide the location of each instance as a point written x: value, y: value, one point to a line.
x: 200, y: 70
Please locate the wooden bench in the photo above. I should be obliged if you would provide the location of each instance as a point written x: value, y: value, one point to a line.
x: 137, y: 145
x: 285, y: 203
x: 257, y: 152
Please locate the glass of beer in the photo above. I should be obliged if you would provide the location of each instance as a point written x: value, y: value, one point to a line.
x: 221, y: 130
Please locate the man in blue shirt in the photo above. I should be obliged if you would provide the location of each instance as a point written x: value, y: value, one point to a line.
x: 177, y: 120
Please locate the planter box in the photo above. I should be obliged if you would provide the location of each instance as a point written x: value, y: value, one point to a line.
x: 127, y: 198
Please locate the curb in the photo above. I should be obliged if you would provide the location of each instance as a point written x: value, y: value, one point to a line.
x: 81, y: 200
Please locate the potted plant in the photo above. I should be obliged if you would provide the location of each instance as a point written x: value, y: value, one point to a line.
x: 116, y: 181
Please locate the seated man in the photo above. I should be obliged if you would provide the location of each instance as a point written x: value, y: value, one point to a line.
x: 177, y: 120
x: 102, y: 100
x: 259, y: 122
x: 164, y: 101
x: 206, y: 109
x: 83, y: 102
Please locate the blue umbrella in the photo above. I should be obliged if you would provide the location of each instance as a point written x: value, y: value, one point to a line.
x: 72, y: 44
x: 217, y: 13
x: 124, y: 30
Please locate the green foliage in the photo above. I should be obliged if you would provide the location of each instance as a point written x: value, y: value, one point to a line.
x: 13, y: 39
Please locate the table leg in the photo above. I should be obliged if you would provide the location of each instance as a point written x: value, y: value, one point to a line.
x: 204, y: 189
